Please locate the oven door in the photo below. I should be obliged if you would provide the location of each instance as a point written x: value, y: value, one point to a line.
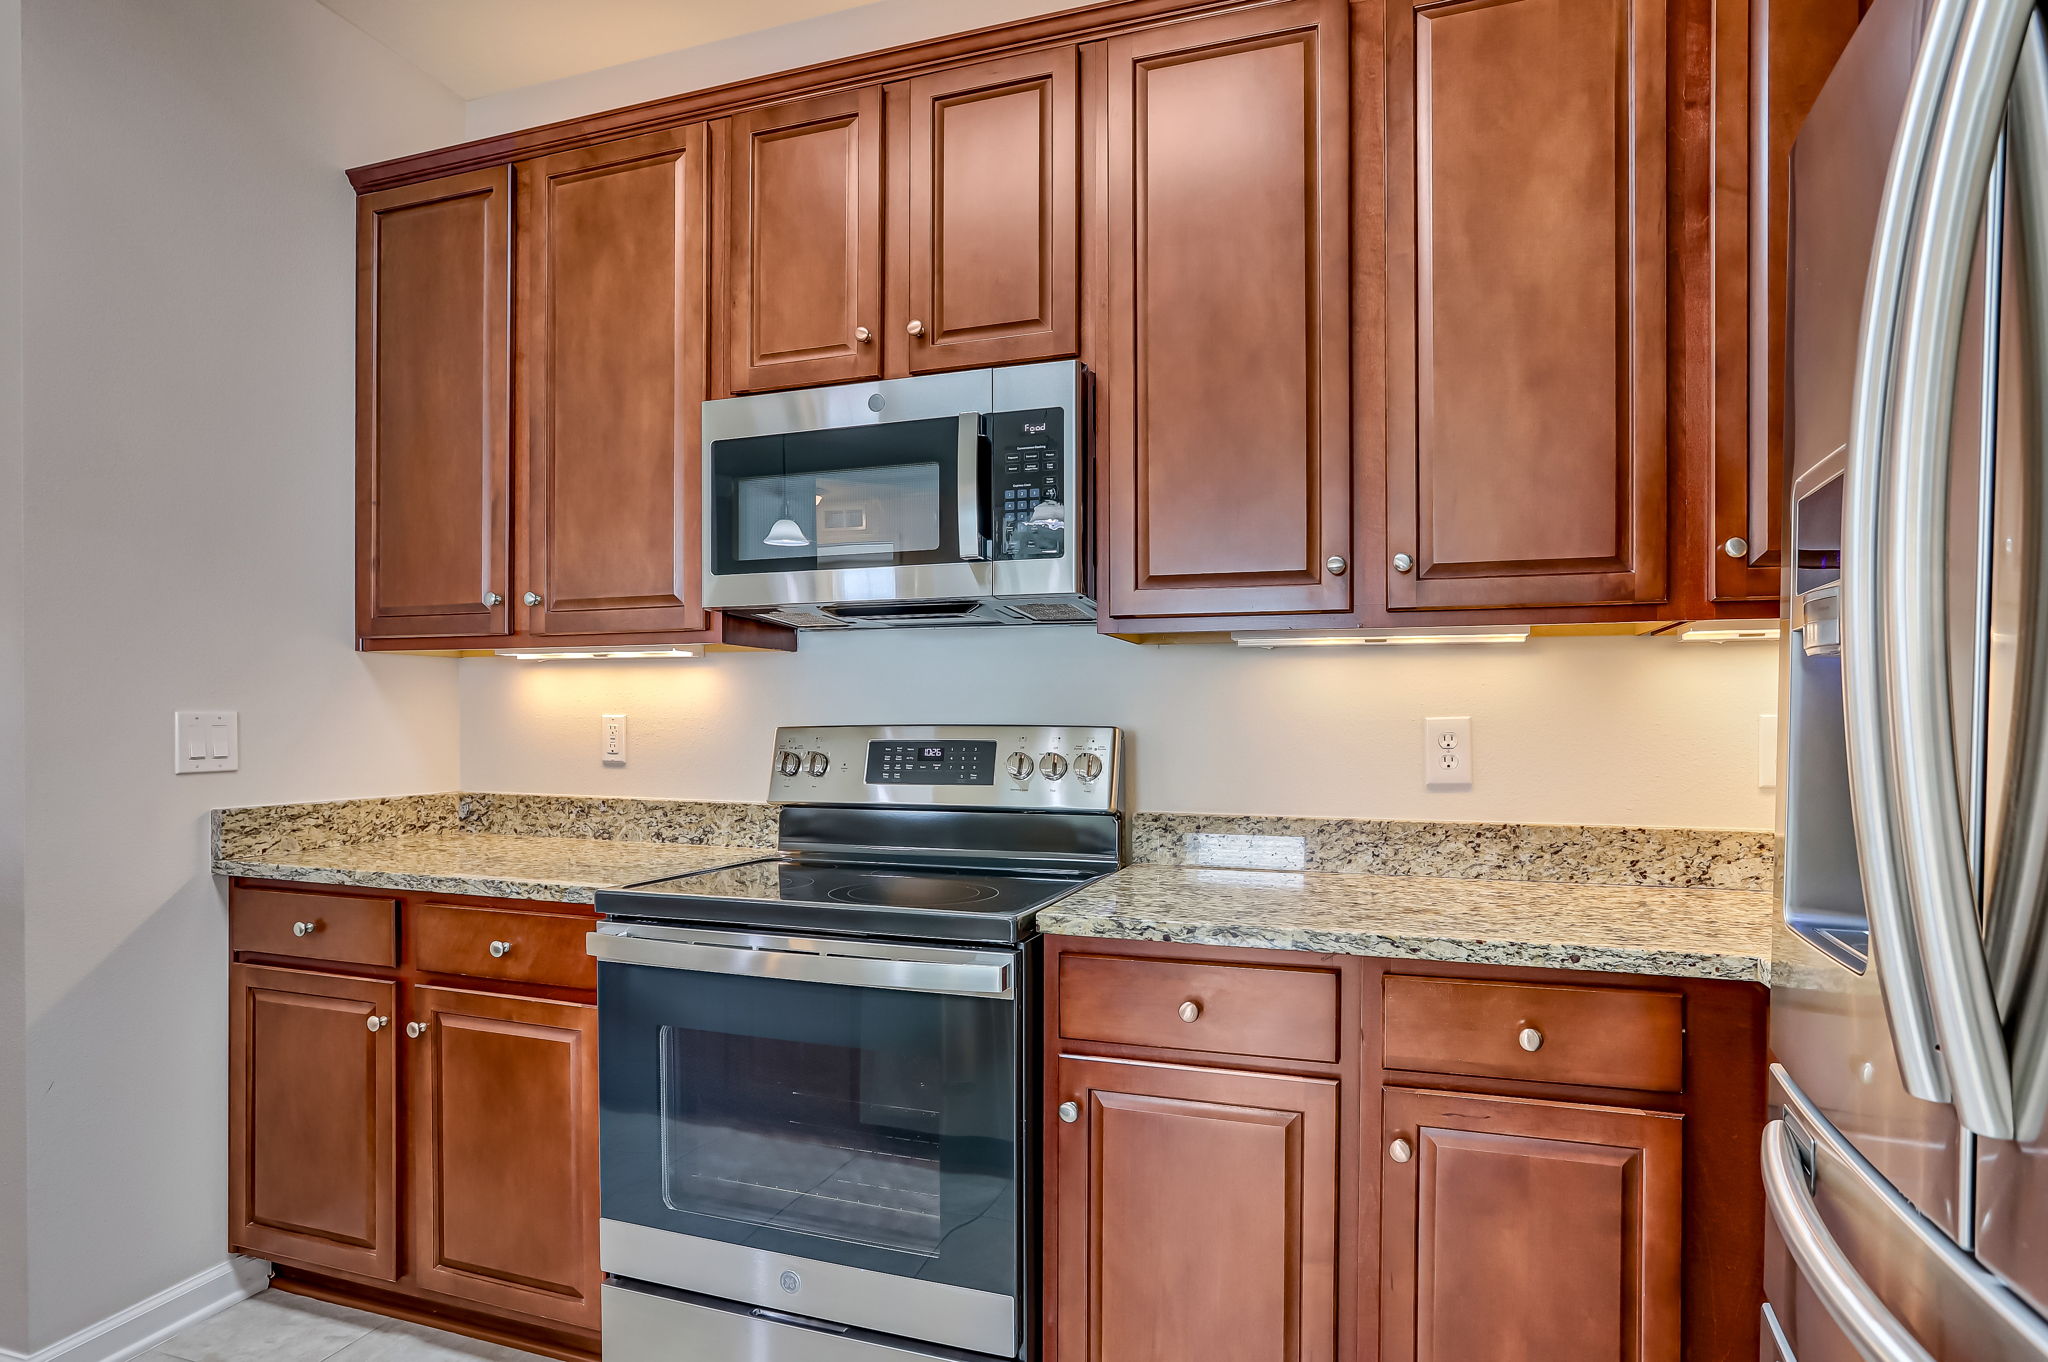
x: 827, y: 1128
x: 809, y: 507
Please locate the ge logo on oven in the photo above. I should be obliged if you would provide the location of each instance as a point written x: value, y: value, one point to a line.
x: 792, y: 1283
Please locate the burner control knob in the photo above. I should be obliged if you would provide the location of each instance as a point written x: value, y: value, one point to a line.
x: 817, y: 763
x: 1088, y: 766
x: 790, y: 764
x: 1052, y: 766
x: 1021, y: 766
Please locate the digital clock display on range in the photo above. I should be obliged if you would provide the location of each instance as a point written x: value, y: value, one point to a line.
x: 931, y: 763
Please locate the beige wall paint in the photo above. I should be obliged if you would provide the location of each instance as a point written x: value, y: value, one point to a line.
x: 190, y: 465
x: 13, y: 716
x: 1595, y: 730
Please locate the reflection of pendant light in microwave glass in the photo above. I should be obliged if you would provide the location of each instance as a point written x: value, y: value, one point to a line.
x: 785, y: 533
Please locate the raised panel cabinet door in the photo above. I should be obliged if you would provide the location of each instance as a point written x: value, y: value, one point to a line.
x: 1525, y: 1231
x: 804, y: 252
x: 433, y: 408
x: 1226, y: 392
x: 504, y: 1152
x: 1194, y: 1215
x: 994, y: 222
x: 313, y: 1119
x: 612, y: 254
x: 1527, y: 361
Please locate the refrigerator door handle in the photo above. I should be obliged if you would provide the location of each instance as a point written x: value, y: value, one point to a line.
x: 2014, y: 917
x: 1940, y: 884
x: 1876, y: 1334
x: 1864, y: 617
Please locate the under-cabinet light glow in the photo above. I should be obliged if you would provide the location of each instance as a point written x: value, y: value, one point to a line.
x: 1374, y: 638
x: 567, y: 655
x: 1765, y: 632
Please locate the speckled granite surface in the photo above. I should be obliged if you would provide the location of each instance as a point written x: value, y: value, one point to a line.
x: 491, y: 865
x: 707, y: 822
x: 288, y: 829
x: 1689, y: 933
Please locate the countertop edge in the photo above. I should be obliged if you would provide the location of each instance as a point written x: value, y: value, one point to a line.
x: 549, y: 891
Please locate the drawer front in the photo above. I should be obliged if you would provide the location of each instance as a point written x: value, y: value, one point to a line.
x: 496, y: 943
x: 350, y: 929
x: 1598, y: 1037
x: 1273, y: 1012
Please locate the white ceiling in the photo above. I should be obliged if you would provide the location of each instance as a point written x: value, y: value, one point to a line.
x: 484, y: 47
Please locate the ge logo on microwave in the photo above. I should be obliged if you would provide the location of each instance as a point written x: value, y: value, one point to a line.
x: 792, y: 1283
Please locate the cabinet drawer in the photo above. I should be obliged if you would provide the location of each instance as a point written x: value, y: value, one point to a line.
x: 1275, y: 1012
x: 497, y: 943
x: 1599, y: 1037
x: 348, y: 928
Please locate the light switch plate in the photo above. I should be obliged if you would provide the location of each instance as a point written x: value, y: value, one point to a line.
x: 1447, y: 753
x: 206, y: 740
x: 615, y: 740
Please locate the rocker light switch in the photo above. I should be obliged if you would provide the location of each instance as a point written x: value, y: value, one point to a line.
x: 207, y: 740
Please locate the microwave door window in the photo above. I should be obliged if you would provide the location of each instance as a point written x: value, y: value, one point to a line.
x: 880, y: 513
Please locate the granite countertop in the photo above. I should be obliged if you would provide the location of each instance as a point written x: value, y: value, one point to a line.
x: 1682, y: 933
x: 490, y: 865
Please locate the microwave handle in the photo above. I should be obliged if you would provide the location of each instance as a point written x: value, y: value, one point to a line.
x: 973, y: 546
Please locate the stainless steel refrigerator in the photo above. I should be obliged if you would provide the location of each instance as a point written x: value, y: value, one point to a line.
x: 1906, y: 1166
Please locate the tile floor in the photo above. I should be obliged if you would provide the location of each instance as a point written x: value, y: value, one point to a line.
x: 276, y: 1327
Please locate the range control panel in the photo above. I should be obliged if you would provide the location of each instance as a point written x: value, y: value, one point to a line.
x: 950, y: 765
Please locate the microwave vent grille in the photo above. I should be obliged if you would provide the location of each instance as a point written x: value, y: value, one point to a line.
x: 802, y: 619
x: 1050, y: 612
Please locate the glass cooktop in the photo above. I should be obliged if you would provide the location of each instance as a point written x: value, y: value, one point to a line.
x: 922, y: 901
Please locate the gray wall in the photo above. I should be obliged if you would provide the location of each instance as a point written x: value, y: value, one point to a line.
x: 13, y: 1095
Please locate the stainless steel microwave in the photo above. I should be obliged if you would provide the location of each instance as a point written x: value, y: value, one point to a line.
x: 943, y: 499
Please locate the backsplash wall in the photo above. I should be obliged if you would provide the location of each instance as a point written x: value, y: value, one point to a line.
x: 1636, y: 731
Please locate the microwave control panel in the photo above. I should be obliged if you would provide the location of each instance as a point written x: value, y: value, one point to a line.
x: 1029, y: 461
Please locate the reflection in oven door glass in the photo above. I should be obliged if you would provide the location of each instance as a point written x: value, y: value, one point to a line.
x: 843, y: 513
x: 840, y: 1141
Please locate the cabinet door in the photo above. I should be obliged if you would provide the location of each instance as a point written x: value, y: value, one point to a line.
x: 313, y: 1120
x: 504, y: 1152
x: 1194, y: 1215
x: 805, y: 242
x: 993, y: 268
x: 433, y: 413
x: 611, y: 370
x: 1523, y: 1231
x: 1227, y: 390
x: 1526, y: 360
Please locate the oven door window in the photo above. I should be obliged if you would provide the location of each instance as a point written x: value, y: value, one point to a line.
x: 860, y: 497
x: 871, y: 1127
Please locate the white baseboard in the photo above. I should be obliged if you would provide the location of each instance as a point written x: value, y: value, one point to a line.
x: 147, y: 1323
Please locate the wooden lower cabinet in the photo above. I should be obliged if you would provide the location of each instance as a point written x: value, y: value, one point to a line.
x: 1197, y: 1214
x: 1528, y: 1231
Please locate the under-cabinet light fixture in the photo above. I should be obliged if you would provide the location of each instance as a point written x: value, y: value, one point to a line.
x: 585, y: 655
x: 1762, y: 632
x: 1375, y: 638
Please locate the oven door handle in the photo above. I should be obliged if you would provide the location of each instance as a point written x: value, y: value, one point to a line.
x: 962, y: 977
x: 967, y: 478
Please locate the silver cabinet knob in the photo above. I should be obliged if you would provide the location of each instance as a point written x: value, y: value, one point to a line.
x: 1190, y: 1010
x: 305, y: 928
x: 1737, y: 547
x: 863, y: 335
x: 1020, y: 766
x: 500, y: 949
x: 1403, y: 563
x: 493, y: 598
x: 817, y: 763
x: 379, y: 1023
x: 1400, y: 1151
x: 531, y: 598
x: 915, y: 328
x: 1069, y: 1112
x: 1088, y: 766
x: 1337, y: 566
x: 1531, y: 1039
x: 1052, y: 766
x: 414, y: 1030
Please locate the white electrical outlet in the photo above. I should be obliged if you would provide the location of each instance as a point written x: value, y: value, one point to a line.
x: 1447, y: 753
x: 1767, y: 751
x: 615, y: 740
x: 207, y: 740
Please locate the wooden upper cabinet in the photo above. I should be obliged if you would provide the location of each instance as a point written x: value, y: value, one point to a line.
x: 1528, y: 1230
x: 612, y: 250
x: 503, y: 1125
x: 1195, y: 1215
x: 313, y: 1119
x: 1527, y: 362
x: 433, y: 411
x: 990, y: 245
x: 804, y: 242
x: 1226, y: 387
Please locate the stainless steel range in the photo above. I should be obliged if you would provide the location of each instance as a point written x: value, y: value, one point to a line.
x: 817, y: 1067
